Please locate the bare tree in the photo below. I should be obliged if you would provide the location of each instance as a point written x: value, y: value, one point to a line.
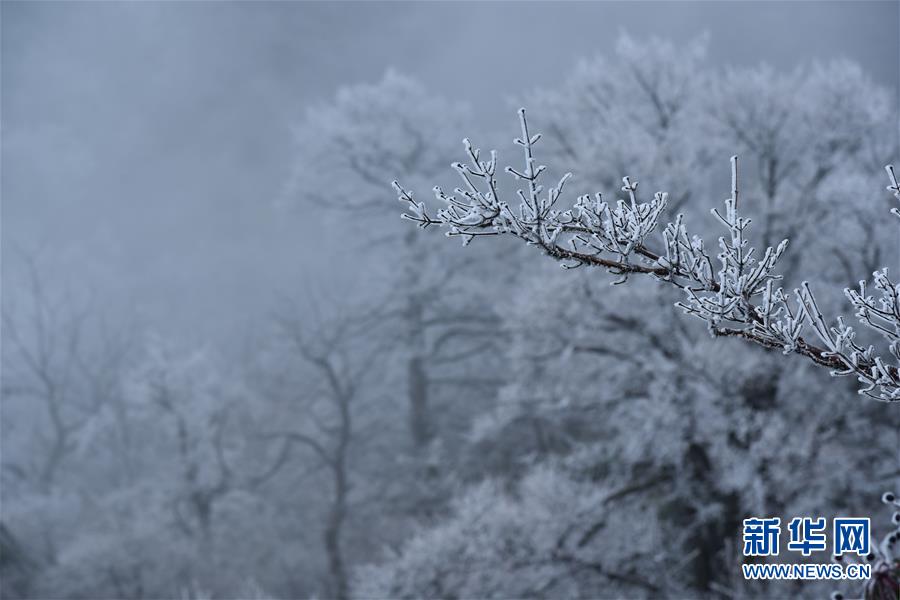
x: 60, y: 354
x: 433, y: 319
x: 336, y: 367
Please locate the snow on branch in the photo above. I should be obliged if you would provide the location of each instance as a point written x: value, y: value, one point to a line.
x: 735, y: 290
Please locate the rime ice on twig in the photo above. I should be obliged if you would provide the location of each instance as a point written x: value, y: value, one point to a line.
x: 894, y: 187
x: 737, y: 298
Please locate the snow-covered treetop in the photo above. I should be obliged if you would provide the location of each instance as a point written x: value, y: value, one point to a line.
x: 735, y: 290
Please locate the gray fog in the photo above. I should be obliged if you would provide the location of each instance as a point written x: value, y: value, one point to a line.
x: 229, y: 370
x: 145, y: 145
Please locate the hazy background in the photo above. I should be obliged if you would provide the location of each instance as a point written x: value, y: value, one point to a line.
x: 145, y: 145
x: 219, y: 381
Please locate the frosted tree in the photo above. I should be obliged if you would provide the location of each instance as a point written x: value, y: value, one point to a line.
x: 603, y: 366
x: 735, y: 293
x: 179, y: 521
x: 638, y: 110
x: 431, y: 298
x: 193, y: 406
x: 61, y: 364
x: 560, y: 533
x: 809, y: 141
x: 657, y: 108
x: 620, y: 238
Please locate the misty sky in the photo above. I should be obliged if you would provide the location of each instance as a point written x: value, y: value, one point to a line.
x: 145, y: 144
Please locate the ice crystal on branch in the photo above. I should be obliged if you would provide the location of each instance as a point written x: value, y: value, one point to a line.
x: 894, y: 187
x: 735, y: 293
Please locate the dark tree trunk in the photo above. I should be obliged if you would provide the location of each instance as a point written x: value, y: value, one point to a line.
x: 334, y: 526
x: 420, y: 426
x: 332, y: 540
x: 419, y: 417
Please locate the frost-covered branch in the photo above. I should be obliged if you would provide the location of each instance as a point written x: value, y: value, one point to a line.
x: 880, y: 313
x: 733, y: 291
x: 894, y: 187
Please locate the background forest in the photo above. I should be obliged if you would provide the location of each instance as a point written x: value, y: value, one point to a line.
x: 408, y: 418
